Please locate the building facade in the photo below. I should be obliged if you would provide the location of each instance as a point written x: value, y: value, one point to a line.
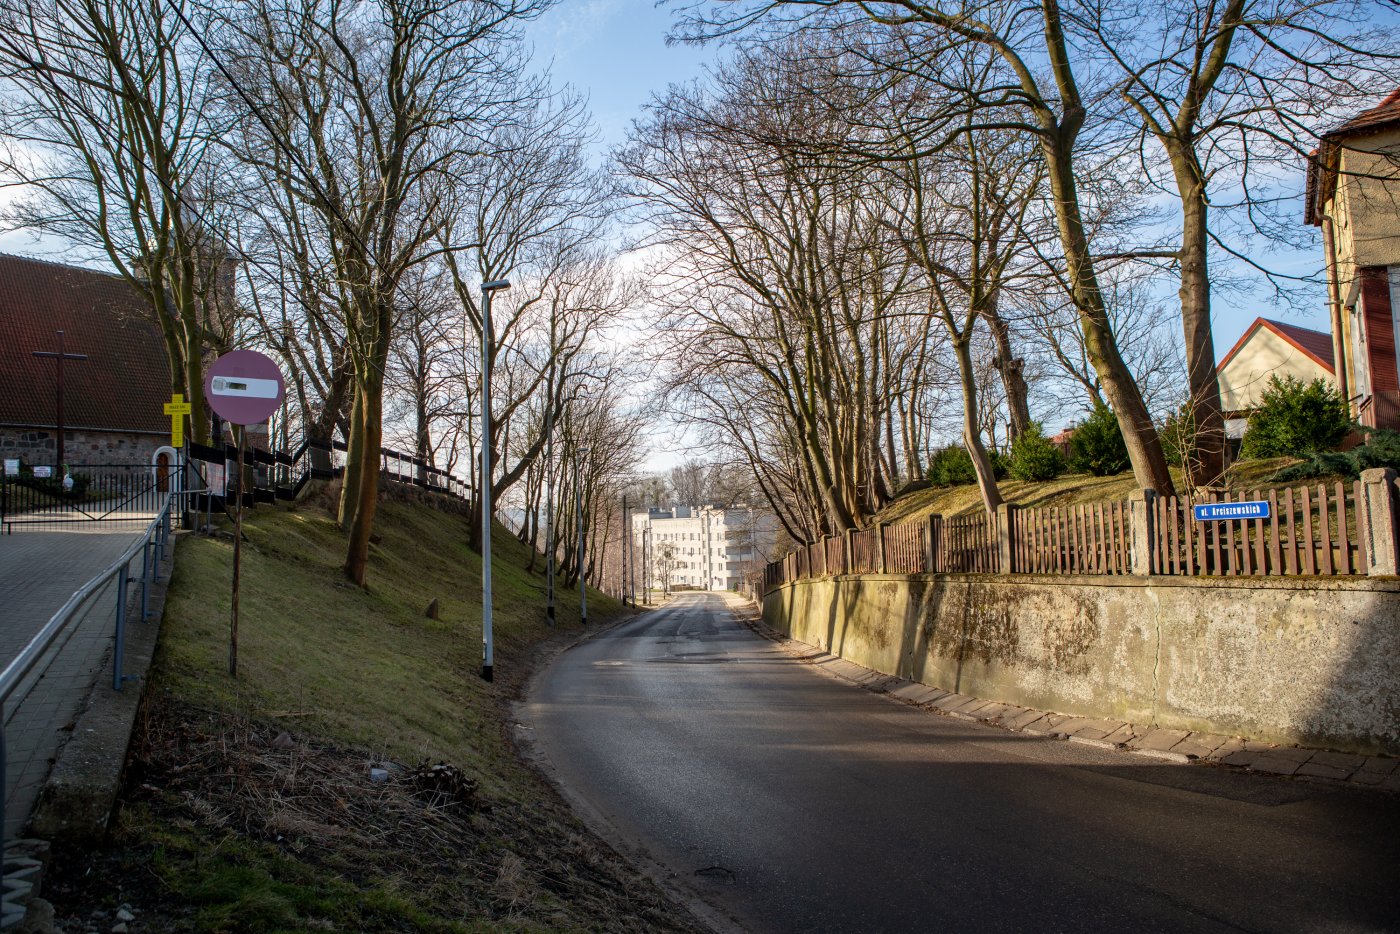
x: 1267, y: 349
x: 1354, y: 197
x: 705, y: 548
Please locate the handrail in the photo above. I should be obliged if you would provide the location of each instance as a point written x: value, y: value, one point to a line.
x: 155, y: 537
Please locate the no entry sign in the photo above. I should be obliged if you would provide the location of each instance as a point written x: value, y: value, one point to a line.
x: 244, y: 387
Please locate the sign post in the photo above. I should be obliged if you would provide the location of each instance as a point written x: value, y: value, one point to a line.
x: 244, y: 388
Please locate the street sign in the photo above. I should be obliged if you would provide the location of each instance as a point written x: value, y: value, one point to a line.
x: 1214, y: 512
x: 177, y: 408
x: 244, y: 387
x: 43, y: 473
x: 12, y: 466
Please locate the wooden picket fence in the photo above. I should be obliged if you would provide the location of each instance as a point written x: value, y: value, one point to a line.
x: 1311, y: 531
x: 1090, y: 539
x: 969, y: 545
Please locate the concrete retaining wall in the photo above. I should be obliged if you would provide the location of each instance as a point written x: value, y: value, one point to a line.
x: 1313, y: 662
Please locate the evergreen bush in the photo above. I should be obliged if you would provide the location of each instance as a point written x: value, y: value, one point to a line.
x: 1096, y: 447
x: 951, y: 466
x: 1296, y: 419
x: 1034, y: 457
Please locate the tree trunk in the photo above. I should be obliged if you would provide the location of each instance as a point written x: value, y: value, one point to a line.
x: 354, y: 462
x: 365, y: 501
x: 972, y: 432
x: 1207, y: 459
x: 1011, y: 369
x: 1139, y: 434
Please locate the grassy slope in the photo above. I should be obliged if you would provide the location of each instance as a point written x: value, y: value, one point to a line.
x: 1068, y: 490
x: 223, y: 830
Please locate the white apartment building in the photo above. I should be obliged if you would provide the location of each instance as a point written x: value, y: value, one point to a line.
x: 709, y: 548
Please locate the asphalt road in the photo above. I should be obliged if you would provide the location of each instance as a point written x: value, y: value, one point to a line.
x: 790, y: 801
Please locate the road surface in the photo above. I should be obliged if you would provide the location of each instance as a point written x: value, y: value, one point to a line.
x: 789, y: 801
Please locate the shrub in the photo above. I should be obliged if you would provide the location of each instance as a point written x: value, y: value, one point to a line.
x: 1296, y: 419
x: 1034, y: 457
x: 1382, y: 449
x: 951, y: 466
x: 1096, y: 447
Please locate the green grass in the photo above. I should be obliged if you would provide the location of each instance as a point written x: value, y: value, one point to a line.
x: 361, y: 667
x: 223, y: 829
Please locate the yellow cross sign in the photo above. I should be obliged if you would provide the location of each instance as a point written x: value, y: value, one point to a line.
x: 177, y: 408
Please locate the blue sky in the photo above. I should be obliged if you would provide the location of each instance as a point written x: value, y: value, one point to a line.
x: 615, y: 52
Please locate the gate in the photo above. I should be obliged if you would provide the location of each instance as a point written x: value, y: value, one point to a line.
x: 99, y: 493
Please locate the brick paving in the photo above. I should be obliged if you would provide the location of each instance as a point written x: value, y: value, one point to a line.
x: 40, y: 568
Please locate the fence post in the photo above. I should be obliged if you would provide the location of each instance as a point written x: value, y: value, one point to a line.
x: 1378, y: 505
x: 1142, y: 536
x: 122, y: 580
x: 848, y: 551
x: 882, y: 562
x: 1006, y: 537
x: 934, y: 544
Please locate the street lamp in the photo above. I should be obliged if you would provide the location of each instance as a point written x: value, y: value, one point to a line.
x: 581, y: 453
x: 488, y: 655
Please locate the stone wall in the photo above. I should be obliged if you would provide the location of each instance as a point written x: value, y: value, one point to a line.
x: 36, y: 445
x: 1314, y: 662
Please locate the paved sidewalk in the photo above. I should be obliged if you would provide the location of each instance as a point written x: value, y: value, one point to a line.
x: 1181, y: 746
x: 39, y: 570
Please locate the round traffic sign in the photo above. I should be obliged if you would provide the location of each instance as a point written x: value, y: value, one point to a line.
x: 244, y: 387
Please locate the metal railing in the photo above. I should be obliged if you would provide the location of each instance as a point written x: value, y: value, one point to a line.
x: 151, y: 546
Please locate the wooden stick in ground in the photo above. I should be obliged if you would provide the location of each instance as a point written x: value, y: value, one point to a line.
x: 237, y: 554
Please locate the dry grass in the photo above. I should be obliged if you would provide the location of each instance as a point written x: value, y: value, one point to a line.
x: 251, y: 804
x: 1068, y: 490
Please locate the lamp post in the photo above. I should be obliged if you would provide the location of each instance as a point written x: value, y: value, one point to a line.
x: 549, y: 510
x: 488, y: 655
x: 580, y: 454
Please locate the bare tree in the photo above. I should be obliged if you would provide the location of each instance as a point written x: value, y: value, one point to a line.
x: 108, y: 127
x: 361, y: 113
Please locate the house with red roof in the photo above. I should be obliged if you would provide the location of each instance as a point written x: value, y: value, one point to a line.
x: 1269, y: 348
x: 113, y: 399
x: 1353, y: 194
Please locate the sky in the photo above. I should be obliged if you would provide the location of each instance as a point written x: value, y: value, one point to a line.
x: 615, y: 53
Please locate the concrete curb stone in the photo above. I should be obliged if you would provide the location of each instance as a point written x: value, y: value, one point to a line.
x: 1181, y: 747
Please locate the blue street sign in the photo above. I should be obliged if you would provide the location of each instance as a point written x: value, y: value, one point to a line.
x: 1209, y: 512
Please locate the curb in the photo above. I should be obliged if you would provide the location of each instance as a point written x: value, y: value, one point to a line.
x: 1181, y: 747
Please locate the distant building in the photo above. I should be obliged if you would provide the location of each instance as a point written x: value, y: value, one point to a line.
x: 1354, y: 196
x: 705, y: 548
x: 1267, y: 349
x: 112, y: 400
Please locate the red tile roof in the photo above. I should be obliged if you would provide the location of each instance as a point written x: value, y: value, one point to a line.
x: 1314, y: 344
x: 1378, y: 118
x: 125, y: 379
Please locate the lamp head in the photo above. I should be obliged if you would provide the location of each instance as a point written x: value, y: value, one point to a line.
x: 495, y: 285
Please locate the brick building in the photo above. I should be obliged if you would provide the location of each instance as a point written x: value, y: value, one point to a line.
x: 112, y: 400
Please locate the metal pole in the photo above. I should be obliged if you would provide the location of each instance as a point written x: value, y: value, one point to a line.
x: 549, y: 512
x: 624, y: 550
x: 488, y: 651
x: 146, y: 580
x: 578, y: 508
x: 121, y: 628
